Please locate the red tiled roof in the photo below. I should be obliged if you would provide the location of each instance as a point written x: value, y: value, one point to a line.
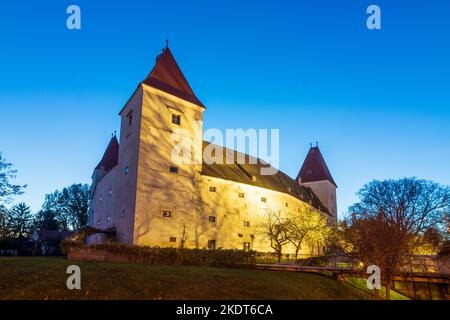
x: 314, y: 168
x: 111, y: 156
x: 167, y: 76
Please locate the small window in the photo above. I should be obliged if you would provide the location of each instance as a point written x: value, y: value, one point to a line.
x: 241, y: 195
x: 263, y: 199
x: 100, y: 198
x: 246, y: 223
x: 108, y: 219
x: 240, y: 235
x: 308, y: 171
x: 211, y: 244
x: 176, y: 119
x: 98, y: 222
x: 212, y: 189
x: 130, y: 117
x: 122, y: 214
x: 246, y: 246
x: 287, y: 205
x: 212, y: 219
x: 253, y: 178
x: 167, y: 213
x: 125, y: 171
x: 173, y: 169
x: 173, y: 239
x: 110, y: 192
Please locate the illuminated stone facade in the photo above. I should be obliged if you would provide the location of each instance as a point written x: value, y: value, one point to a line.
x: 149, y: 200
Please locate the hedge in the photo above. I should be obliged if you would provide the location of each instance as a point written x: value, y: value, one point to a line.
x: 157, y: 255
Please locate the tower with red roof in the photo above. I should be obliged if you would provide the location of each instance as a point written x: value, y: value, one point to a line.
x: 315, y: 175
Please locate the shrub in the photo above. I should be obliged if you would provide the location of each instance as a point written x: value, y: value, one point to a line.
x: 157, y: 255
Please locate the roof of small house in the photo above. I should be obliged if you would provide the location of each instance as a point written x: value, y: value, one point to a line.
x: 250, y: 173
x: 54, y: 235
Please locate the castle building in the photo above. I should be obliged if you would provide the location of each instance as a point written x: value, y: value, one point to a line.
x: 149, y: 200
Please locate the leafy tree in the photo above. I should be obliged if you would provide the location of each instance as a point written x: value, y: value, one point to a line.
x: 274, y: 226
x: 20, y: 220
x: 429, y: 243
x: 337, y: 241
x: 45, y: 220
x: 389, y: 218
x: 7, y: 189
x: 306, y: 224
x: 70, y: 206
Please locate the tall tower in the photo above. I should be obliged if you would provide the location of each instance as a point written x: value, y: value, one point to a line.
x: 165, y: 123
x: 315, y: 174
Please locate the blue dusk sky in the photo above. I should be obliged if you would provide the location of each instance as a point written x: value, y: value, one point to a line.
x: 378, y: 101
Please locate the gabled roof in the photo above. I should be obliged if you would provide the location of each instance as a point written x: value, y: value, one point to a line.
x: 54, y: 235
x: 243, y: 173
x: 167, y: 76
x: 111, y: 156
x: 314, y: 168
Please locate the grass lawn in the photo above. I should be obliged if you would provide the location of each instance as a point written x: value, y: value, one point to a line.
x: 360, y: 284
x: 45, y: 278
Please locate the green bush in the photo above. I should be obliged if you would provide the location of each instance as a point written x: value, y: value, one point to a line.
x: 157, y: 255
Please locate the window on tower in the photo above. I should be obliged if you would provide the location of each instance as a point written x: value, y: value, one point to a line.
x: 130, y: 117
x: 176, y: 119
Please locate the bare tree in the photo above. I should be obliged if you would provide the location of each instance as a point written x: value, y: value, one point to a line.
x: 184, y: 237
x: 390, y: 216
x: 408, y: 204
x: 376, y: 242
x: 273, y: 226
x: 4, y: 222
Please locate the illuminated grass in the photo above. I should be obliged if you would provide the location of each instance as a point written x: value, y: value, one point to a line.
x: 45, y: 278
x: 360, y: 284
